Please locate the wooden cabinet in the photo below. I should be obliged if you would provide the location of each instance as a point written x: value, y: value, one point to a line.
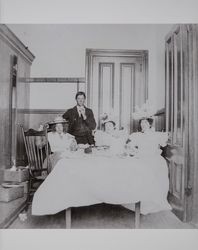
x: 15, y: 63
x: 181, y: 116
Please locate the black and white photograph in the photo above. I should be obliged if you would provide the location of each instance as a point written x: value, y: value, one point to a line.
x: 98, y: 126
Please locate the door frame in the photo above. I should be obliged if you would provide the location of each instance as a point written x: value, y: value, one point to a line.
x: 91, y: 53
x: 191, y: 135
x: 192, y: 207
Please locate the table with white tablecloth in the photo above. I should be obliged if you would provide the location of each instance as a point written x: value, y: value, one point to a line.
x: 94, y: 179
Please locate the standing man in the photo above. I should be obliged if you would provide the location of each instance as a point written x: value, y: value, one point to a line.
x: 81, y: 121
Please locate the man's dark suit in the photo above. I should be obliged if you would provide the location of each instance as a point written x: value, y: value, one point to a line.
x: 80, y: 128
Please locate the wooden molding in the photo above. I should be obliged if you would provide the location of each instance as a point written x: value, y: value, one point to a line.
x: 116, y: 52
x: 13, y: 41
x: 55, y: 79
x: 57, y: 111
x: 41, y: 111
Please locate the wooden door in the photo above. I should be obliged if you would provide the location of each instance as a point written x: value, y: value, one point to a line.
x: 116, y: 82
x: 177, y: 119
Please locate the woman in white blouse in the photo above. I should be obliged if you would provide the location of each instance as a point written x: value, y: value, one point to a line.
x: 111, y: 137
x: 144, y: 147
x: 147, y: 142
x: 60, y: 141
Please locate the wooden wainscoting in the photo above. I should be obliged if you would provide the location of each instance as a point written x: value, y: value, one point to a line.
x: 41, y: 116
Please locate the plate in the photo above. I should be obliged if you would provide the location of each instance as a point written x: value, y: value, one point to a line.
x: 9, y: 185
x: 102, y: 147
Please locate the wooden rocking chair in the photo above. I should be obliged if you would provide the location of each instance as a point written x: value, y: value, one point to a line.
x: 38, y: 157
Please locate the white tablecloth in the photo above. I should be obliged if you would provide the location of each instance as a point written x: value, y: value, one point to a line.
x: 88, y: 180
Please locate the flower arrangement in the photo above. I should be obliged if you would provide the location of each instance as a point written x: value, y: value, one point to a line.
x: 147, y: 110
x: 108, y: 117
x: 104, y: 117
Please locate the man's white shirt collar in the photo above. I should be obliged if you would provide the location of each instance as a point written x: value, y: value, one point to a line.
x: 78, y: 109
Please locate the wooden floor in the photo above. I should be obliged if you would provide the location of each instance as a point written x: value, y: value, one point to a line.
x: 9, y: 210
x: 102, y: 216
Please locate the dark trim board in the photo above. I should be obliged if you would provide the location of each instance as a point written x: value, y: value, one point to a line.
x: 41, y: 111
x: 58, y: 111
x: 55, y: 80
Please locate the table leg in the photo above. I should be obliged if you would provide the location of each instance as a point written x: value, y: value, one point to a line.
x: 137, y: 215
x: 68, y: 218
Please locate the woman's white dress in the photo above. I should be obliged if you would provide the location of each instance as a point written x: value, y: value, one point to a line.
x: 60, y: 144
x: 116, y: 140
x: 148, y: 153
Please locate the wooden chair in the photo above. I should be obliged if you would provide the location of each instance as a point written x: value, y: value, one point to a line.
x: 38, y: 156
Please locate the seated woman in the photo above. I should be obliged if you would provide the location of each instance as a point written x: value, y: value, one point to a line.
x: 144, y: 146
x: 148, y: 141
x: 60, y: 141
x: 110, y: 137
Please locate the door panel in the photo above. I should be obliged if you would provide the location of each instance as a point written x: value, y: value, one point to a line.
x: 116, y: 82
x: 106, y: 87
x: 127, y: 76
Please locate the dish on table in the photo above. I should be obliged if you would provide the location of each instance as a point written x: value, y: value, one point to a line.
x: 9, y: 185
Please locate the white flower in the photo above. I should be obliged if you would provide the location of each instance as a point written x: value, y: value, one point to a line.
x: 111, y: 116
x: 145, y: 111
